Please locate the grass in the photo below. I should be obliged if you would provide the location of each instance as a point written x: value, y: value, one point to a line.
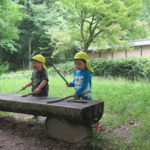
x: 125, y: 101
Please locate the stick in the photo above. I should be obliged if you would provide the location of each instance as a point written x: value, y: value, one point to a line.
x: 78, y: 101
x: 28, y: 94
x: 19, y: 90
x: 59, y: 73
x: 58, y: 100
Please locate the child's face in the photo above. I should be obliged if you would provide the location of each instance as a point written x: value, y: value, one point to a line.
x: 37, y: 66
x: 80, y: 64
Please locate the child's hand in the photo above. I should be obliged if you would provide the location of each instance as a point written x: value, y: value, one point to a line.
x: 67, y: 84
x: 37, y: 90
x: 24, y: 87
x: 76, y: 96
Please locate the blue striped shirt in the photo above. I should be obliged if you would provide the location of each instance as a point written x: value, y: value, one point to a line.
x: 82, y: 82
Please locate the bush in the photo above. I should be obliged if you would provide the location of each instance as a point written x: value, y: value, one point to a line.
x: 131, y: 68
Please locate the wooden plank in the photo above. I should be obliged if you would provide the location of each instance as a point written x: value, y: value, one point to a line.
x: 83, y: 113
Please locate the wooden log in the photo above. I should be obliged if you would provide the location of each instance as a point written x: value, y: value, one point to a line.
x: 79, y: 113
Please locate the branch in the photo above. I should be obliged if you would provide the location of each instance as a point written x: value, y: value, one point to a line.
x: 101, y: 31
x: 82, y: 25
x: 97, y: 34
x: 93, y: 30
x: 77, y: 9
x: 89, y: 33
x: 88, y: 21
x: 90, y: 27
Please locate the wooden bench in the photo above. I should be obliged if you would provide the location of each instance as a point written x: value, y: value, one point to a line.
x: 67, y: 121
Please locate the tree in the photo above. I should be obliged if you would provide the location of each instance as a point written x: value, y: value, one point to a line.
x: 34, y: 37
x: 145, y: 16
x: 9, y: 17
x: 102, y: 22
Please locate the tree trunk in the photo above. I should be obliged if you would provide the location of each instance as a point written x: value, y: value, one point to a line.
x: 87, y: 44
x: 30, y: 50
x: 23, y: 64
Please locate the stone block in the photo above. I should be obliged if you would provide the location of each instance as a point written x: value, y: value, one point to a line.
x: 66, y: 131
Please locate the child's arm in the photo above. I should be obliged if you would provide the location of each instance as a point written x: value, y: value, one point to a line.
x: 27, y: 85
x: 71, y: 84
x: 42, y: 84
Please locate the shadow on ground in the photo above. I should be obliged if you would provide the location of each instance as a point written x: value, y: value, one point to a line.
x: 20, y: 132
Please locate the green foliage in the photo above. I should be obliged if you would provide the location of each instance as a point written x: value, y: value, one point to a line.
x: 65, y: 68
x: 9, y: 16
x: 41, y: 19
x: 145, y: 16
x: 4, y: 68
x: 56, y: 27
x: 102, y: 23
x: 131, y: 68
x: 33, y: 35
x: 60, y: 31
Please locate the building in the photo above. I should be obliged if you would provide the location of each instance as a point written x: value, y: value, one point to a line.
x: 140, y: 48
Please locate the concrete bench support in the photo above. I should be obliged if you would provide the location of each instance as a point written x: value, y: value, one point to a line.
x: 66, y: 131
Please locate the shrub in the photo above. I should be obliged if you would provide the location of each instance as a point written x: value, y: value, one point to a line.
x: 131, y: 68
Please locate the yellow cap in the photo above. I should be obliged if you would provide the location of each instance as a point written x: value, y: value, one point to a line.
x: 41, y: 59
x: 85, y: 57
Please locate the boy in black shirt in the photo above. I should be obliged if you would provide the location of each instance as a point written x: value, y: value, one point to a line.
x: 39, y: 80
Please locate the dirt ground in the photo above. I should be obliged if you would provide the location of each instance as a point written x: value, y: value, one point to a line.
x: 20, y: 132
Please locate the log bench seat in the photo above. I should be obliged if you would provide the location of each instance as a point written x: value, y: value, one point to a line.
x: 66, y: 120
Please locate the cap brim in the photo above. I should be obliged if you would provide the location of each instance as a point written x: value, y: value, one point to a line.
x: 34, y: 60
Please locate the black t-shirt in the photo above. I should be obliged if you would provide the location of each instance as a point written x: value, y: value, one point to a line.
x: 37, y: 78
